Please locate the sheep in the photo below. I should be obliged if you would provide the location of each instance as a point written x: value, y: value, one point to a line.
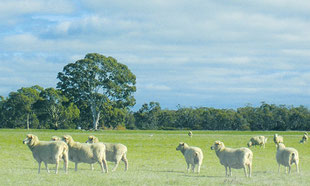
x: 257, y: 140
x: 115, y: 152
x: 50, y: 152
x: 286, y: 156
x: 190, y: 134
x: 234, y: 158
x: 86, y: 153
x: 55, y: 138
x: 304, y: 138
x: 277, y: 139
x: 193, y: 156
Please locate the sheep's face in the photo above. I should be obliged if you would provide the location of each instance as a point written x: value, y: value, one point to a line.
x: 280, y: 145
x: 90, y: 139
x: 217, y: 145
x: 55, y: 138
x: 249, y: 144
x: 30, y: 139
x: 67, y: 139
x: 181, y: 146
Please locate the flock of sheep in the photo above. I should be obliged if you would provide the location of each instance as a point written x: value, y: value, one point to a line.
x: 51, y: 152
x: 92, y: 151
x: 241, y: 158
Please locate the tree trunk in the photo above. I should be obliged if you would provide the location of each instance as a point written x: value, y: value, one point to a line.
x: 96, y: 116
x: 28, y: 121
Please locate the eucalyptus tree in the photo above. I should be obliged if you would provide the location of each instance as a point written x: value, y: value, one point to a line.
x: 53, y: 107
x: 99, y: 81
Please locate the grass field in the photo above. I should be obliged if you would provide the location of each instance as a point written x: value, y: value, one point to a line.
x: 153, y: 160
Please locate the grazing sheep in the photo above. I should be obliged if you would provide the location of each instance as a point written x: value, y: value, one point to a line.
x: 304, y: 138
x: 86, y: 153
x: 50, y: 152
x: 277, y: 139
x: 55, y: 138
x: 234, y: 158
x: 193, y: 156
x: 257, y: 140
x: 190, y: 134
x: 115, y: 152
x: 286, y: 156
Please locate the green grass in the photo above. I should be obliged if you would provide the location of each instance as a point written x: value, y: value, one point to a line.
x: 152, y: 160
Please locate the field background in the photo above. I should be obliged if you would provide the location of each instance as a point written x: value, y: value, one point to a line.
x: 153, y: 159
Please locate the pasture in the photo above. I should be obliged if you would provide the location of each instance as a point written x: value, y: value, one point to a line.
x: 153, y: 159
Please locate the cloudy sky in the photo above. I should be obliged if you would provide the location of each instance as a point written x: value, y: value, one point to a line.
x: 222, y: 54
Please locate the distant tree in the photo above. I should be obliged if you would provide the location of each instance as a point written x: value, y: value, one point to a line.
x: 55, y: 108
x: 98, y: 81
x: 18, y: 107
x: 147, y: 116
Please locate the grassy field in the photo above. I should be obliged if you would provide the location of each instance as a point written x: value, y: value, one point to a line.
x: 153, y: 160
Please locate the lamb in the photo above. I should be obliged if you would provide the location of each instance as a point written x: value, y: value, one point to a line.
x: 277, y: 139
x: 115, y: 152
x: 234, y: 158
x: 257, y: 140
x: 49, y: 152
x: 193, y: 156
x: 190, y: 134
x: 286, y: 156
x: 86, y: 153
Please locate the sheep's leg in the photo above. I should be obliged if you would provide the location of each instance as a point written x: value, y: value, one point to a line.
x: 278, y: 168
x: 193, y: 167
x: 198, y: 168
x: 226, y: 171
x: 91, y: 166
x: 124, y: 159
x: 48, y: 171
x: 116, y: 165
x: 230, y: 173
x: 297, y: 168
x: 57, y: 165
x: 245, y: 172
x: 250, y: 170
x: 39, y: 167
x: 289, y: 169
x: 76, y: 166
x: 285, y: 170
x: 187, y: 167
x: 66, y: 162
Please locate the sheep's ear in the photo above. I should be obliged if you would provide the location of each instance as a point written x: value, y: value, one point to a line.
x: 91, y: 137
x: 30, y: 136
x: 217, y: 142
x: 182, y: 143
x: 65, y: 137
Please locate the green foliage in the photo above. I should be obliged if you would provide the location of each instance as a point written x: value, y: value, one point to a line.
x: 99, y: 82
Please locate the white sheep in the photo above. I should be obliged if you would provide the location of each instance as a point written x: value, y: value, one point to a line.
x: 193, y: 156
x: 257, y: 140
x: 286, y: 156
x: 304, y: 138
x: 190, y: 134
x: 115, y: 152
x: 234, y: 158
x: 55, y: 138
x: 278, y: 139
x: 49, y: 152
x: 86, y: 153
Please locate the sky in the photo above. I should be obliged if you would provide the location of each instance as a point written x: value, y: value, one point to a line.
x: 200, y: 53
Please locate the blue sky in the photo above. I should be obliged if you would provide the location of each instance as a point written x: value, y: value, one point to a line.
x: 222, y: 54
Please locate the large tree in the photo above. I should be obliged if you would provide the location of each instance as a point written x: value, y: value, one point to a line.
x: 100, y: 81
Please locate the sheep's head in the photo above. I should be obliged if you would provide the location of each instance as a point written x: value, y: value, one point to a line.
x: 249, y: 144
x: 55, y: 138
x: 67, y: 138
x: 280, y: 146
x: 218, y: 145
x: 30, y: 139
x: 181, y: 146
x: 92, y: 139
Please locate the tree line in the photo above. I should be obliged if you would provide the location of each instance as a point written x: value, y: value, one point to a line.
x: 97, y: 92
